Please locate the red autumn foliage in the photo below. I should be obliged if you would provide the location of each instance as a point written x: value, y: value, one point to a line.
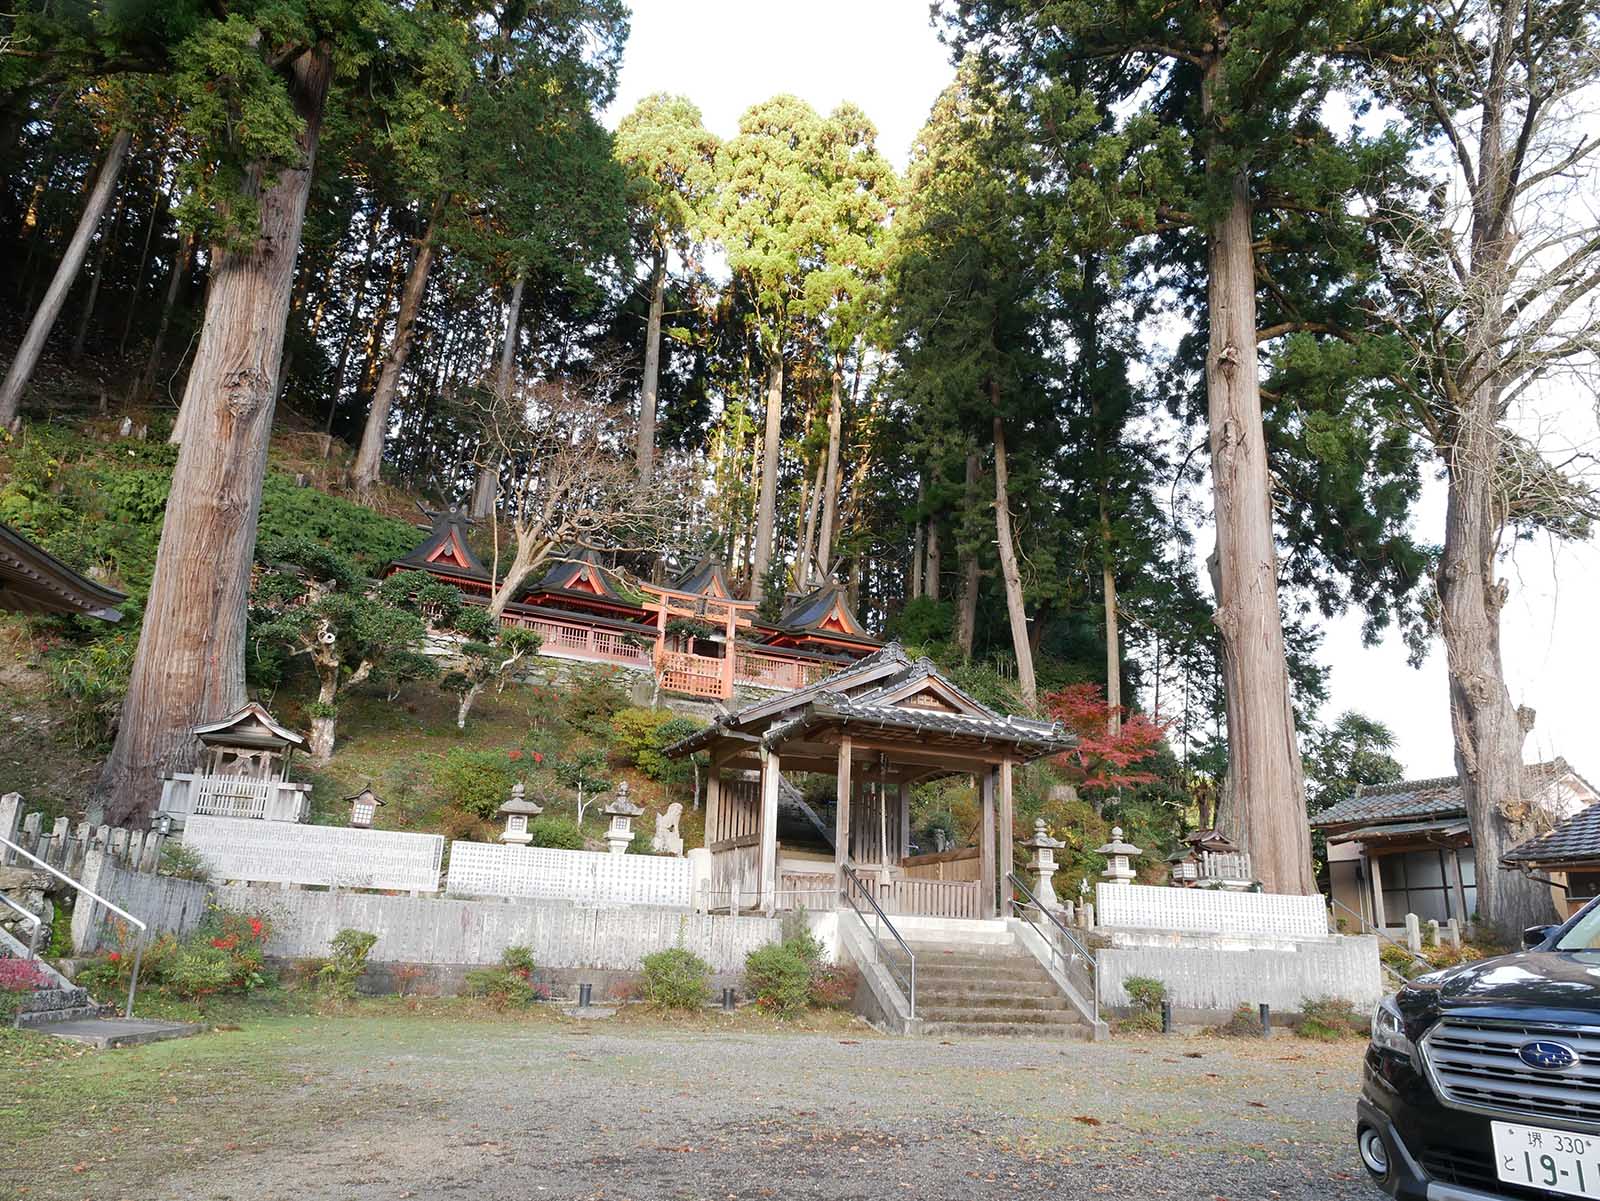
x: 1102, y: 761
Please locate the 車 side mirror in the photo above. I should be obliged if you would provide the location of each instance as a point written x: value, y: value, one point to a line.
x: 1534, y: 935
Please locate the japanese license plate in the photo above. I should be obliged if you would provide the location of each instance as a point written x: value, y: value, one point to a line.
x: 1549, y: 1159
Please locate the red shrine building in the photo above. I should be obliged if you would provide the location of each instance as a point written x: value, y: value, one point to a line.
x: 694, y: 633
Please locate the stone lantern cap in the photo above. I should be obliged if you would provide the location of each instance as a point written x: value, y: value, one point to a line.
x: 520, y: 803
x: 621, y: 806
x: 1116, y: 846
x: 1041, y: 840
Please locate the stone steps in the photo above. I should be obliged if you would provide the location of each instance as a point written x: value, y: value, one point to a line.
x: 989, y: 986
x: 44, y: 1018
x: 1077, y: 1032
x: 975, y: 998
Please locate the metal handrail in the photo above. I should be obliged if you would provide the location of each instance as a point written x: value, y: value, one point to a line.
x: 911, y: 982
x: 33, y: 919
x: 1079, y: 950
x: 138, y: 947
x: 1367, y: 927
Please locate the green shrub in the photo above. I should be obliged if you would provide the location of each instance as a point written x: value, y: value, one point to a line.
x: 1328, y: 1019
x: 476, y: 781
x: 833, y: 985
x: 347, y: 959
x: 591, y: 701
x: 779, y: 977
x: 639, y: 736
x: 676, y: 979
x: 197, y: 971
x: 183, y: 862
x: 1145, y: 995
x: 510, y: 984
x: 561, y: 833
x: 1245, y: 1023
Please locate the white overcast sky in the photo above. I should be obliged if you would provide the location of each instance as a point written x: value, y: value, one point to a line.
x: 884, y: 55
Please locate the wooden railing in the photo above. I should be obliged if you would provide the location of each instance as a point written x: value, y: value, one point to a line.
x: 693, y: 675
x: 899, y: 895
x: 678, y: 671
x: 574, y: 640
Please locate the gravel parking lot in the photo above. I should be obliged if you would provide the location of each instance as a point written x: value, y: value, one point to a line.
x: 330, y: 1109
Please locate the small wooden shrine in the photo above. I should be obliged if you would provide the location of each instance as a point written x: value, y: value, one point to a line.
x: 877, y: 727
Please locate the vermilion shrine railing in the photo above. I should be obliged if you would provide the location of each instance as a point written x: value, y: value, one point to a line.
x: 678, y: 671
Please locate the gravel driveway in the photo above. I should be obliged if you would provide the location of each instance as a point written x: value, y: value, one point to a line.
x: 337, y: 1109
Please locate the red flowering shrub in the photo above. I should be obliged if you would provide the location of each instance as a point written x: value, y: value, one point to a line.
x: 21, y: 975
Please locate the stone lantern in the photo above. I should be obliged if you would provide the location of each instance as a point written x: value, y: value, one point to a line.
x: 363, y: 808
x: 517, y: 811
x: 1044, y: 850
x: 1118, y: 853
x: 621, y: 811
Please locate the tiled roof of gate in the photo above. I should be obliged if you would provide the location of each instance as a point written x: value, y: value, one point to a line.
x: 1575, y: 840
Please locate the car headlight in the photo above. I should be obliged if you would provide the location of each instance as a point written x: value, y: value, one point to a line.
x: 1388, y: 1028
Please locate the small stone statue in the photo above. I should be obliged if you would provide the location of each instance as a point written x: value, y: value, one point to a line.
x: 667, y: 840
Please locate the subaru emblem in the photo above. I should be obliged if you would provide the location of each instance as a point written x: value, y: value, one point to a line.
x: 1547, y: 1056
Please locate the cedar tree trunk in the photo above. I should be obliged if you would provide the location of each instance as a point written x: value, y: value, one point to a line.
x: 1008, y: 561
x: 767, y: 505
x: 369, y: 457
x: 487, y: 484
x: 830, y: 485
x: 1265, y: 784
x: 645, y: 455
x: 967, y: 611
x: 189, y: 667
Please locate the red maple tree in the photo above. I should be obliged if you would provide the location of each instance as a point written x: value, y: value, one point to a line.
x: 1103, y: 761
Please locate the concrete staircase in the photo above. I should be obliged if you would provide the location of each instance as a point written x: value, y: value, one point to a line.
x: 983, y: 982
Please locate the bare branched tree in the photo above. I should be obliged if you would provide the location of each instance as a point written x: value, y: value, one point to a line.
x: 1497, y: 277
x: 563, y: 455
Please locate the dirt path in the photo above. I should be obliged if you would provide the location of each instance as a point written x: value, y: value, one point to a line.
x: 341, y: 1109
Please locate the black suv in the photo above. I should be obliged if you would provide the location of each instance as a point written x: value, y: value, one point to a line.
x: 1483, y: 1081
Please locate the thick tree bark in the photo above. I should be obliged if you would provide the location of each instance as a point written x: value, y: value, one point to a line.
x: 368, y: 464
x: 967, y: 557
x: 1489, y: 728
x: 830, y: 484
x: 189, y: 667
x: 930, y: 578
x: 1266, y: 787
x: 486, y: 486
x: 767, y: 504
x: 1010, y: 573
x: 645, y: 455
x: 44, y: 318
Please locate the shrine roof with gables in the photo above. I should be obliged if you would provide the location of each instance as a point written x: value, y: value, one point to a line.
x: 892, y: 695
x: 446, y: 547
x: 32, y: 580
x: 581, y: 574
x: 824, y: 611
x: 706, y: 578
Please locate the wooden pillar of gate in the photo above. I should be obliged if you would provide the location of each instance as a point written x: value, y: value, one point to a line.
x: 986, y: 844
x: 841, y: 821
x: 730, y: 653
x: 771, y: 773
x: 1007, y: 860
